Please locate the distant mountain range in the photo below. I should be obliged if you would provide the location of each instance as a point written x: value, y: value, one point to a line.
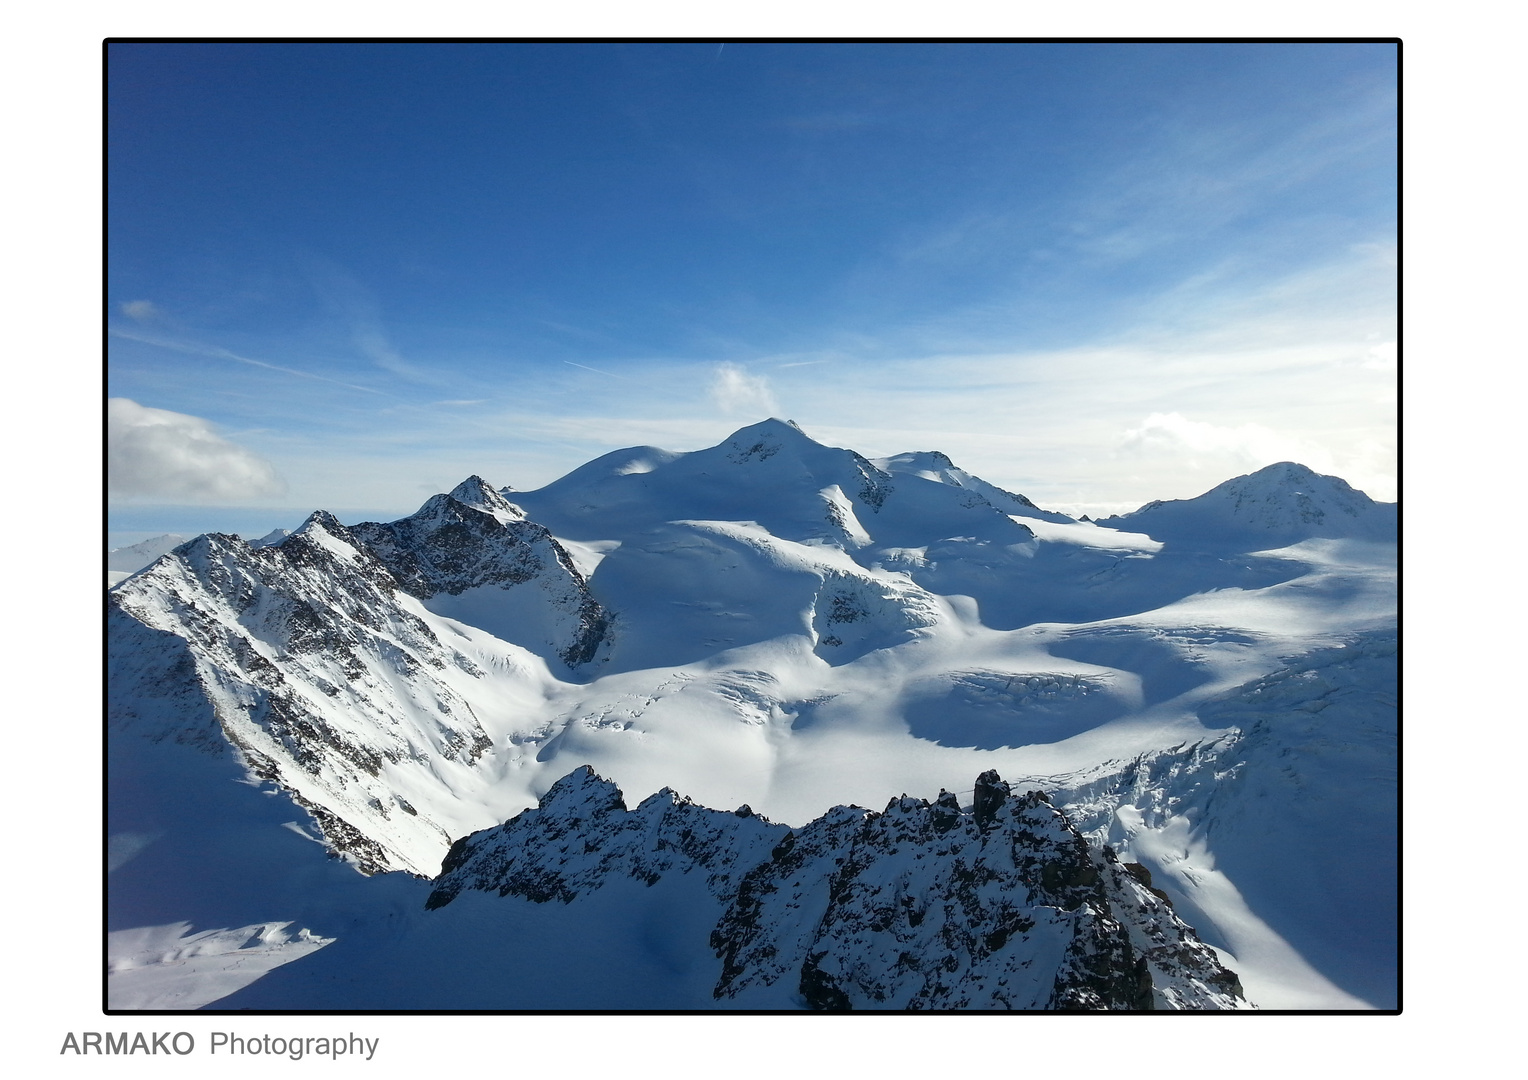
x: 383, y: 748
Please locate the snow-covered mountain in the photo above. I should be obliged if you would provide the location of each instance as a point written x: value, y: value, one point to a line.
x: 324, y: 661
x: 1276, y: 506
x: 935, y: 465
x: 124, y: 561
x: 139, y: 555
x: 923, y: 906
x: 770, y: 622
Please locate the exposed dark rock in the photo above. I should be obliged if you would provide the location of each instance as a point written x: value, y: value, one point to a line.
x: 920, y: 906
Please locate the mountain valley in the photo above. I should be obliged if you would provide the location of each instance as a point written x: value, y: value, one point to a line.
x: 610, y: 744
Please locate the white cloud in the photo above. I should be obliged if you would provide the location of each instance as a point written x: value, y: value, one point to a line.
x: 735, y: 391
x: 168, y: 455
x: 1203, y: 444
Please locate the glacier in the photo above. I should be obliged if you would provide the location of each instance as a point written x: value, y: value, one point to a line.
x: 301, y: 731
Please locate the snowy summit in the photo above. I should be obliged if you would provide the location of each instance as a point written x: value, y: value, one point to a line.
x: 412, y: 745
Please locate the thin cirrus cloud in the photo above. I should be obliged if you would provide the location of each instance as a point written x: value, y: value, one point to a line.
x: 219, y: 353
x: 357, y: 306
x: 159, y: 454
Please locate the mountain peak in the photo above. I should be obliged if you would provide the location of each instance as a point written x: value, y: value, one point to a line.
x: 1276, y: 505
x: 762, y: 441
x: 1286, y: 473
x: 134, y: 558
x: 581, y: 794
x: 1297, y: 480
x: 320, y: 521
x: 772, y: 424
x: 480, y: 495
x: 935, y: 465
x: 773, y: 430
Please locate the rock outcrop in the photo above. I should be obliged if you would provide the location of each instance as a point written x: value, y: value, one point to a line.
x: 1001, y: 905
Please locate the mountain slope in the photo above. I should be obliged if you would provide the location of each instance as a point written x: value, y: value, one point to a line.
x: 1002, y: 905
x: 936, y: 466
x: 328, y: 677
x: 773, y: 474
x: 1276, y: 506
x: 929, y: 906
x: 125, y: 561
x: 777, y: 623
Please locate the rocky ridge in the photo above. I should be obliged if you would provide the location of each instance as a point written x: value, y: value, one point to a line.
x: 314, y: 659
x: 1002, y: 905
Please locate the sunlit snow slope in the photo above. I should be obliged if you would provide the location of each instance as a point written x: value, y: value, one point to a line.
x: 788, y: 625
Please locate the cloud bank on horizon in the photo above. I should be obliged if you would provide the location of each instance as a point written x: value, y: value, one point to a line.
x: 1097, y: 274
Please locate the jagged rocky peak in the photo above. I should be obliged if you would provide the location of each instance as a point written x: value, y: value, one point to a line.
x: 932, y: 906
x: 451, y: 549
x: 1002, y: 905
x: 449, y: 544
x: 321, y: 524
x: 580, y: 836
x: 304, y: 658
x: 321, y: 669
x: 478, y: 494
x: 988, y: 797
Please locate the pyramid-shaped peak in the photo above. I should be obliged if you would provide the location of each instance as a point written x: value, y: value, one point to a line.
x: 480, y: 495
x: 583, y: 790
x: 320, y: 520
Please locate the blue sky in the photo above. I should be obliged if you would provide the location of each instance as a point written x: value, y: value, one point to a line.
x: 348, y: 276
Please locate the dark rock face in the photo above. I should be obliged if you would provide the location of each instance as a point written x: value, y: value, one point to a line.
x: 301, y: 656
x: 926, y: 906
x: 308, y: 657
x: 875, y: 484
x: 922, y: 906
x: 451, y: 545
x: 581, y: 835
x: 988, y: 796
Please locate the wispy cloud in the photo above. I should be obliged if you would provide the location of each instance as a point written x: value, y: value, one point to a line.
x: 735, y: 391
x: 358, y: 307
x: 141, y: 310
x: 159, y: 454
x: 218, y: 353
